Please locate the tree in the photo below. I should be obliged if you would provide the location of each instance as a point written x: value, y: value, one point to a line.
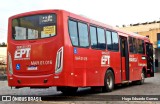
x: 3, y: 44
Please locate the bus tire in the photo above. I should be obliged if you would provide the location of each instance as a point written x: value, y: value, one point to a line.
x: 108, y: 81
x: 140, y: 82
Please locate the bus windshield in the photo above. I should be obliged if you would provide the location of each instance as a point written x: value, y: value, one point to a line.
x: 34, y: 27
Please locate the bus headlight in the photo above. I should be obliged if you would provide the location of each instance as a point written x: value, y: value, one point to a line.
x: 59, y: 61
x: 10, y: 63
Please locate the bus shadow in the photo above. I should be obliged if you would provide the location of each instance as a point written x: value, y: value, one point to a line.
x: 86, y: 94
x: 130, y: 85
x: 83, y: 94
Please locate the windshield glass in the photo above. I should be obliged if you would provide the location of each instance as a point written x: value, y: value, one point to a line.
x: 34, y: 27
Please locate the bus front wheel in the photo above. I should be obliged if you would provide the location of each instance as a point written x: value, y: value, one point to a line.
x: 140, y: 82
x: 108, y: 81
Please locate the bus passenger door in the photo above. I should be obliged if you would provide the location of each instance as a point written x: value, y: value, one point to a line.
x: 149, y: 56
x: 124, y: 58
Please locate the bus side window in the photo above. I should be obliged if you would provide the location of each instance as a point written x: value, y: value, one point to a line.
x: 93, y: 36
x: 115, y: 41
x: 101, y: 39
x: 134, y: 45
x: 112, y: 41
x: 109, y: 40
x: 131, y: 44
x: 140, y: 45
x: 83, y: 34
x: 73, y: 32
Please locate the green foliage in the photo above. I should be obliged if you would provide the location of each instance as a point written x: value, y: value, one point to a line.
x: 3, y: 44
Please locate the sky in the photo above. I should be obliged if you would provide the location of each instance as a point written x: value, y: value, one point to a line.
x: 111, y: 12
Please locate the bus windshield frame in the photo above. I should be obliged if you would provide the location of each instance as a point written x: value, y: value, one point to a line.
x: 34, y: 27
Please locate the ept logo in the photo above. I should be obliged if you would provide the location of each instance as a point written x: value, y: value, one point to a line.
x: 22, y: 53
x: 105, y: 60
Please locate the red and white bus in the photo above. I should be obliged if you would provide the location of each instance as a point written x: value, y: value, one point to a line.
x: 57, y: 48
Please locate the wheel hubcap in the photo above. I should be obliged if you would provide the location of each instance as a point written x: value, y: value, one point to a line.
x: 142, y: 76
x: 109, y: 81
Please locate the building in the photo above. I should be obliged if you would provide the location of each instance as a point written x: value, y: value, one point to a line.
x: 150, y: 30
x: 3, y: 55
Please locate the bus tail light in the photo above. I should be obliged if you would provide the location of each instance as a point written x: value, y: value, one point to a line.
x: 10, y: 68
x: 59, y: 61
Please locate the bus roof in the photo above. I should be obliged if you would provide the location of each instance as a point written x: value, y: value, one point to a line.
x: 122, y: 32
x: 85, y: 19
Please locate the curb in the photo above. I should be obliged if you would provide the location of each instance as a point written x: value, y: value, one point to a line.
x: 3, y: 77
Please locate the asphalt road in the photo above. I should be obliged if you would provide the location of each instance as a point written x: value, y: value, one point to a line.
x: 86, y: 95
